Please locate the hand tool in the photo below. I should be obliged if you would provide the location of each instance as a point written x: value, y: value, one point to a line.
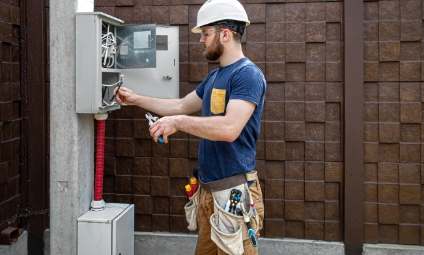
x: 152, y: 119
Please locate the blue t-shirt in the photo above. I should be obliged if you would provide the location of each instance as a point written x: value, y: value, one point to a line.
x: 240, y: 80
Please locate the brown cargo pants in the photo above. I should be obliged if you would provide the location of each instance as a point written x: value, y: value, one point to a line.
x: 205, y: 246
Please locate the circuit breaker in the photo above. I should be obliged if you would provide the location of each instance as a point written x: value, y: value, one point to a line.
x: 110, y: 54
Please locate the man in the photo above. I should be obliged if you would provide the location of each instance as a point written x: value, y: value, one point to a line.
x: 231, y: 99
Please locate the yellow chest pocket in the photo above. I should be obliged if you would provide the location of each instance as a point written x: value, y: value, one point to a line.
x: 218, y: 101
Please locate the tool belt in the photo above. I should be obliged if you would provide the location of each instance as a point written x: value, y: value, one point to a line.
x: 229, y: 182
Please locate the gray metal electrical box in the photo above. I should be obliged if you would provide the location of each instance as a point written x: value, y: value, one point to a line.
x: 110, y: 54
x: 107, y: 232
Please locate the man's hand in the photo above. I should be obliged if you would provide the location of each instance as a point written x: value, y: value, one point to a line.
x: 165, y: 126
x: 126, y: 96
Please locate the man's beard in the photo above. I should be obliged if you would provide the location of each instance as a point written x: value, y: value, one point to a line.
x: 216, y: 52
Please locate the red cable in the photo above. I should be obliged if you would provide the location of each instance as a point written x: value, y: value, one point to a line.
x: 100, y: 159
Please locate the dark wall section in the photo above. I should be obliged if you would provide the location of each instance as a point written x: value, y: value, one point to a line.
x: 11, y: 120
x: 393, y: 124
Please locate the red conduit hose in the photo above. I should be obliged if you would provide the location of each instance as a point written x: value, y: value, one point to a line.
x: 100, y: 159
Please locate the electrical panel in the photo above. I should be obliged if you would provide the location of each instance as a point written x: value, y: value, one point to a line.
x: 110, y: 54
x: 107, y: 232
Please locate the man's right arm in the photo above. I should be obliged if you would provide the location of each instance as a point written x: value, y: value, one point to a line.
x: 191, y: 103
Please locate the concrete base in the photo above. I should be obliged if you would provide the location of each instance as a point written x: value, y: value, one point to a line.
x: 183, y: 244
x: 20, y: 247
x: 392, y: 249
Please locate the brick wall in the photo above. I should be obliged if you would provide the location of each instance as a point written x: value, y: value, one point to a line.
x: 393, y: 130
x: 299, y: 46
x: 10, y: 112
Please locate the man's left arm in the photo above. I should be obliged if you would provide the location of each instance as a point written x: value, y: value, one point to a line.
x: 215, y: 128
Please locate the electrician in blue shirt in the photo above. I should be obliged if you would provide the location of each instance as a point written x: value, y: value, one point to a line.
x: 231, y: 100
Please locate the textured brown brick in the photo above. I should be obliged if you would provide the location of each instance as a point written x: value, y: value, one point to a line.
x: 332, y: 210
x: 371, y: 213
x: 409, y: 173
x: 315, y: 71
x: 294, y: 210
x: 295, y: 131
x: 295, y: 151
x: 410, y: 9
x: 316, y: 12
x: 275, y: 52
x: 389, y: 31
x: 295, y: 12
x: 295, y: 111
x: 333, y: 171
x: 410, y: 153
x: 256, y: 12
x: 295, y: 72
x: 315, y: 32
x: 371, y: 31
x: 256, y: 33
x: 177, y: 205
x: 334, y: 71
x: 389, y: 152
x: 370, y: 132
x: 333, y: 51
x: 294, y: 91
x: 314, y: 191
x: 295, y: 52
x: 410, y: 194
x: 274, y: 91
x: 389, y: 132
x: 274, y: 130
x: 160, y: 222
x: 371, y: 233
x: 371, y: 71
x: 255, y: 51
x: 314, y: 112
x: 371, y: 172
x: 295, y: 170
x: 387, y: 172
x: 274, y: 189
x: 410, y: 71
x: 388, y: 193
x: 314, y: 211
x: 315, y: 131
x: 410, y: 91
x: 315, y: 91
x: 409, y: 214
x: 274, y: 111
x: 178, y: 167
x: 275, y: 72
x: 334, y: 11
x: 159, y: 186
x: 410, y: 132
x: 275, y: 150
x: 274, y: 169
x: 388, y: 233
x: 389, y: 91
x: 410, y: 51
x: 332, y: 191
x: 333, y: 152
x: 411, y: 30
x: 314, y: 151
x: 371, y: 11
x: 141, y: 185
x: 332, y: 231
x: 389, y: 51
x: 389, y: 112
x: 333, y: 32
x: 197, y: 71
x: 314, y: 171
x: 314, y: 230
x: 409, y: 234
x: 178, y: 14
x: 294, y: 190
x: 371, y: 52
x: 389, y: 71
x: 334, y: 92
x: 389, y: 10
x: 274, y: 227
x: 295, y: 32
x: 143, y: 204
x: 388, y: 214
x: 161, y: 205
x: 332, y: 111
x: 275, y: 12
x: 178, y: 224
x: 317, y: 51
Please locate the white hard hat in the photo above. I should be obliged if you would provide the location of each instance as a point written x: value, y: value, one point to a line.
x: 217, y: 10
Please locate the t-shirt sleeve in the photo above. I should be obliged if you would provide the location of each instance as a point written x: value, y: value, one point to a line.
x: 249, y: 85
x: 200, y: 89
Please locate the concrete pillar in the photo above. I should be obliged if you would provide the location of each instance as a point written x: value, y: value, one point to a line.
x: 71, y: 134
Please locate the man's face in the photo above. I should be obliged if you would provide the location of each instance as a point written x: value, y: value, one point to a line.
x: 210, y: 39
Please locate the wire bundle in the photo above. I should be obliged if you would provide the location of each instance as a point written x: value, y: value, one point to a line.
x: 108, y: 49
